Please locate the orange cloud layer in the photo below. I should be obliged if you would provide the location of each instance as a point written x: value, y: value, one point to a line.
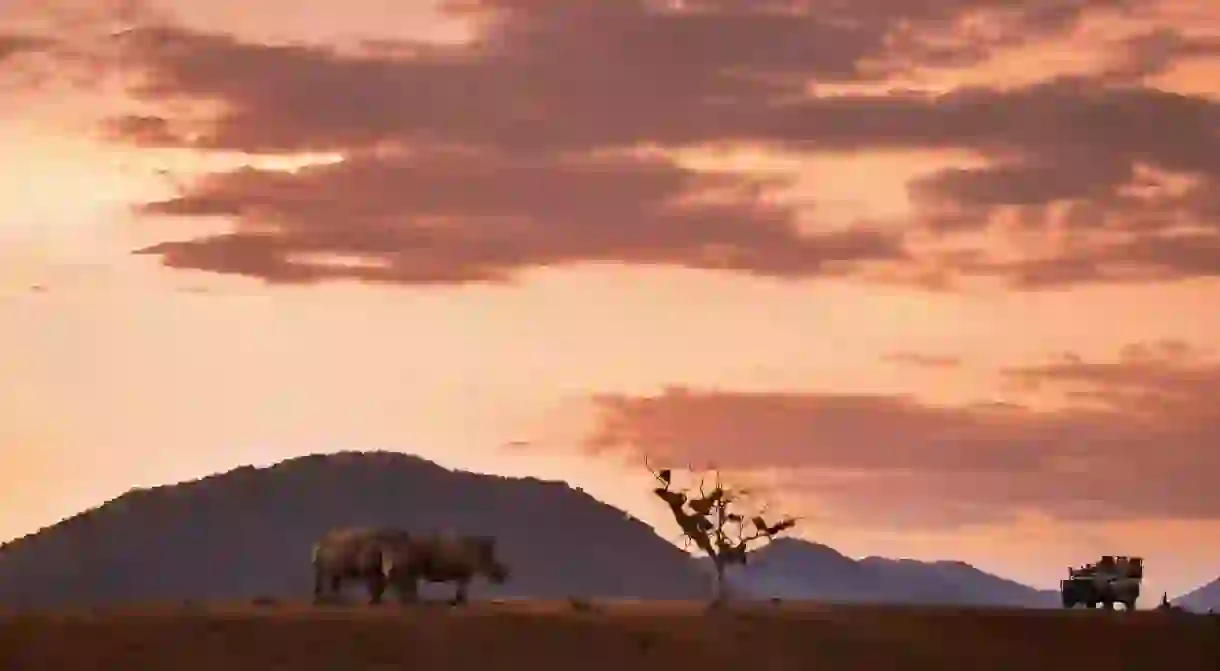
x: 552, y: 101
x: 1137, y: 439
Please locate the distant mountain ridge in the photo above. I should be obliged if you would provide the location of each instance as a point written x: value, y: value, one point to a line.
x: 247, y: 533
x: 790, y: 568
x: 1201, y: 599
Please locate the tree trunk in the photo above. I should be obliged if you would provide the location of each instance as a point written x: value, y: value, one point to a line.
x: 720, y: 592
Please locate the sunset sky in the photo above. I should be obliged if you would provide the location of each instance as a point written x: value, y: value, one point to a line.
x: 944, y: 277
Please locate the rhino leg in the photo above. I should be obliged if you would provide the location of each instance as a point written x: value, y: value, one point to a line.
x: 460, y: 593
x: 408, y: 590
x: 376, y: 585
x: 324, y: 582
x: 318, y: 584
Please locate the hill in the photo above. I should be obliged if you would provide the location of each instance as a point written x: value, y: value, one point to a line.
x: 248, y: 532
x: 1202, y: 599
x: 798, y: 569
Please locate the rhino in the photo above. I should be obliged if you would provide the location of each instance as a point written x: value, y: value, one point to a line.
x: 366, y: 554
x: 443, y: 557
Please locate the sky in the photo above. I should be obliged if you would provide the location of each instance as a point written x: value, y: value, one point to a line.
x: 936, y: 277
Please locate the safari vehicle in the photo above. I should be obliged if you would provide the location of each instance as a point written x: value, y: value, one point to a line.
x: 1107, y: 582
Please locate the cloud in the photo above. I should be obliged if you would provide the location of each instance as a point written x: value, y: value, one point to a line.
x: 1144, y: 257
x: 450, y: 217
x: 19, y: 52
x: 1154, y: 52
x: 1158, y: 377
x: 1136, y: 439
x: 584, y: 88
x: 1075, y: 140
x: 543, y: 82
x: 14, y: 44
x: 922, y: 360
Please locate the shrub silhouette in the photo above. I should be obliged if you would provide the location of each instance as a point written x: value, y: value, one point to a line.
x: 715, y: 523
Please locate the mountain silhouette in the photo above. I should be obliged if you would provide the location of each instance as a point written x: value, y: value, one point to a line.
x: 1201, y: 599
x: 248, y: 532
x: 797, y: 569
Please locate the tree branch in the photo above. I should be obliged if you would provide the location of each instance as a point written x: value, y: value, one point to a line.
x: 709, y: 518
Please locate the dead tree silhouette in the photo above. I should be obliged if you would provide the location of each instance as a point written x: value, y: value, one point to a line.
x: 715, y: 523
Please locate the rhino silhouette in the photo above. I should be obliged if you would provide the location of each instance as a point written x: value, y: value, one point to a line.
x: 363, y: 554
x: 443, y: 557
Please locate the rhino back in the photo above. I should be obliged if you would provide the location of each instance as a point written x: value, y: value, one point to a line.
x: 348, y: 549
x: 445, y: 556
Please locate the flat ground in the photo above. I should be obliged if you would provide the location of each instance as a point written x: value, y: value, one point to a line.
x: 536, y: 636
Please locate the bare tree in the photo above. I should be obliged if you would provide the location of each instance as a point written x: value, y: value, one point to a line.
x: 716, y: 524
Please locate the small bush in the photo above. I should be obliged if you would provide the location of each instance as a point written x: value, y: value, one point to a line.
x: 580, y: 605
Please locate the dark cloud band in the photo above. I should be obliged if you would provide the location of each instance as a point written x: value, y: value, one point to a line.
x: 546, y: 84
x: 1135, y: 440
